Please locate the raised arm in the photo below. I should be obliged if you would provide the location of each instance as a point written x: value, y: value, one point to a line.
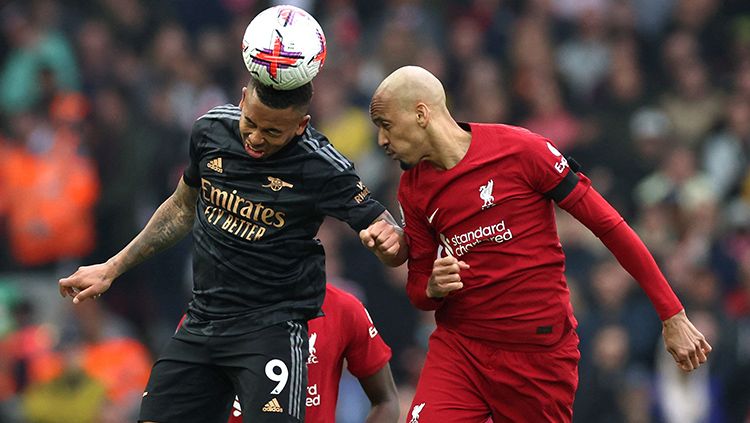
x: 169, y: 224
x: 385, y: 238
x: 381, y: 390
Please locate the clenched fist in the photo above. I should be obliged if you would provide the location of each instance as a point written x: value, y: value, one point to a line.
x: 445, y: 277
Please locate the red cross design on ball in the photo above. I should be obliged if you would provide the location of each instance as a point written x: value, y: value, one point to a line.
x: 276, y: 59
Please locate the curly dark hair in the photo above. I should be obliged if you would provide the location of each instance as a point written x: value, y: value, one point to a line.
x: 298, y: 98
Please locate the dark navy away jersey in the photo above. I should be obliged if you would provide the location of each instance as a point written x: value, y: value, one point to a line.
x: 256, y: 261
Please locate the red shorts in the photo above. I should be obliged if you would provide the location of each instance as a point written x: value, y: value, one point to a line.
x: 465, y: 381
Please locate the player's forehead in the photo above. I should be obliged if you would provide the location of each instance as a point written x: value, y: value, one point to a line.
x: 264, y: 116
x: 380, y: 107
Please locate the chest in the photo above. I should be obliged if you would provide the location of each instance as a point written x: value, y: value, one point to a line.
x: 326, y: 346
x: 477, y: 197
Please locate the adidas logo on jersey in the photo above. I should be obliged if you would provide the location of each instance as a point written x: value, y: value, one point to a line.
x: 273, y: 406
x: 215, y: 165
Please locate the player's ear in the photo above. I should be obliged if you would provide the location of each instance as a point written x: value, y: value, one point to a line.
x: 242, y: 100
x: 423, y: 114
x: 302, y: 125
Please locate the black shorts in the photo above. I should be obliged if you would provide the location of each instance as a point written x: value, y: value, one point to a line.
x: 196, y: 377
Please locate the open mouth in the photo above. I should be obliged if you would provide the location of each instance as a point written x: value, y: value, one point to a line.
x: 256, y: 154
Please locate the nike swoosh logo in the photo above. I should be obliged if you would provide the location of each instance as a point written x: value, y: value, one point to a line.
x: 432, y: 216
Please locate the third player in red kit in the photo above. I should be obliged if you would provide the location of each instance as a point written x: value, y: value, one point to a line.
x: 345, y: 332
x: 478, y: 206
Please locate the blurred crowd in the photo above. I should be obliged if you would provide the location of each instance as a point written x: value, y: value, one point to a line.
x: 651, y: 97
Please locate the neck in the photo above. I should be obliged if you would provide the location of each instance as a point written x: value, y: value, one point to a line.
x: 450, y: 143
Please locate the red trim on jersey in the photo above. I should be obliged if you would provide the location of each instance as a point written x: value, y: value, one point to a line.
x: 605, y: 222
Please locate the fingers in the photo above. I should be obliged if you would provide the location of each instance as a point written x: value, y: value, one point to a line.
x: 66, y: 292
x: 86, y: 294
x: 449, y: 264
x: 687, y: 345
x: 444, y: 261
x: 65, y: 286
x: 438, y: 288
x: 78, y: 288
x: 450, y: 287
x: 366, y: 238
x: 381, y: 234
x: 692, y: 359
x: 700, y: 356
x: 686, y: 361
x: 445, y: 276
x: 382, y: 239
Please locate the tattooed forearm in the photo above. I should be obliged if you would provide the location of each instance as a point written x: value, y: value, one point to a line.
x: 169, y: 224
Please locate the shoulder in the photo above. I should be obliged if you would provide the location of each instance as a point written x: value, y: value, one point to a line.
x: 220, y: 120
x: 500, y: 141
x: 324, y: 155
x: 227, y: 114
x: 226, y: 111
x: 498, y: 132
x: 345, y: 308
x: 339, y: 300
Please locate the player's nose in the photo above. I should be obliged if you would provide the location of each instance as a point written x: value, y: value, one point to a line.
x: 255, y: 138
x: 382, y: 139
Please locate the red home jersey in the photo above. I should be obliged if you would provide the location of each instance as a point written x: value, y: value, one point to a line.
x: 345, y: 332
x: 490, y: 210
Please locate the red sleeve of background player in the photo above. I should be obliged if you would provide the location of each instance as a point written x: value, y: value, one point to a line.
x: 422, y: 250
x: 366, y: 352
x: 582, y: 201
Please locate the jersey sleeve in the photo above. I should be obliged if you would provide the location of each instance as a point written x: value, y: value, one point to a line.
x: 606, y: 223
x: 546, y: 170
x: 346, y: 198
x: 423, y: 250
x: 366, y: 352
x: 191, y: 175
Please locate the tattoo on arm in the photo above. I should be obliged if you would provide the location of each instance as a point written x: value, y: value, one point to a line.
x: 169, y: 224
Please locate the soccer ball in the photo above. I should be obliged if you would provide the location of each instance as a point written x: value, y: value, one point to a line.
x: 284, y: 47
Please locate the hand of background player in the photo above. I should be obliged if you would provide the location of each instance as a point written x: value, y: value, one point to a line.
x: 86, y: 282
x: 445, y: 277
x: 384, y: 239
x: 687, y: 345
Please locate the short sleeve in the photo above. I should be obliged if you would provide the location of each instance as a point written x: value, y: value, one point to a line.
x: 366, y: 353
x: 191, y: 175
x: 346, y: 198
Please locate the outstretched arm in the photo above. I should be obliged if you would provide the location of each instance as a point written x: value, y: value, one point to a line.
x: 381, y: 390
x: 686, y: 344
x: 169, y: 224
x: 385, y: 238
